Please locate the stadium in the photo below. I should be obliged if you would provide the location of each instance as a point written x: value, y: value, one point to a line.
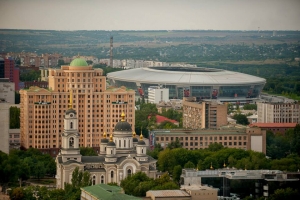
x: 202, y: 83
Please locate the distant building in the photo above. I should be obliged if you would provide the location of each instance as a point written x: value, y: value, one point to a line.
x: 204, y: 114
x: 157, y: 94
x: 8, y: 70
x: 14, y: 138
x: 7, y: 91
x: 246, y: 138
x: 163, y: 106
x: 104, y: 192
x: 275, y: 127
x: 4, y: 124
x: 26, y: 69
x: 278, y: 112
x: 200, y: 192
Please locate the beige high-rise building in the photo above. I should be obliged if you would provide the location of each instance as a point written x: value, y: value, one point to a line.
x: 98, y: 109
x: 278, y: 112
x: 205, y: 114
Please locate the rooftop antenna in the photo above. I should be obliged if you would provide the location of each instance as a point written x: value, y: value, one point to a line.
x: 111, y: 51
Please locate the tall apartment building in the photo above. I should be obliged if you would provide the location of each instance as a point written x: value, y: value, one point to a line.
x: 157, y: 94
x: 204, y: 114
x: 278, y: 112
x: 98, y: 109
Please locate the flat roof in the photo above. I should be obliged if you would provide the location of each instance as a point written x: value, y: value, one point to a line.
x: 169, y: 193
x: 274, y: 125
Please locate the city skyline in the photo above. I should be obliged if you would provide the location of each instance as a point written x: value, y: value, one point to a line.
x: 150, y: 15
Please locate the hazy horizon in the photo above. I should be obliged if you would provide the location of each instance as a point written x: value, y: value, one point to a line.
x: 142, y: 15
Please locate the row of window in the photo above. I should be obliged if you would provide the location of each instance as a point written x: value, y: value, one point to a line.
x: 202, y: 138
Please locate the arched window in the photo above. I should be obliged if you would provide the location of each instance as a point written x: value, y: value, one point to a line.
x: 129, y: 143
x: 119, y: 143
x: 111, y: 151
x: 129, y: 172
x: 142, y: 151
x: 94, y: 180
x: 102, y: 179
x: 71, y: 142
x: 124, y: 143
x: 71, y: 125
x: 112, y: 174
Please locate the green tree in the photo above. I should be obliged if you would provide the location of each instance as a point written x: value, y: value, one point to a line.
x: 88, y: 151
x: 295, y: 143
x: 215, y: 147
x: 250, y: 107
x: 39, y: 170
x: 241, y: 119
x: 189, y: 164
x: 14, y: 120
x: 287, y: 193
x: 177, y: 173
x: 175, y: 144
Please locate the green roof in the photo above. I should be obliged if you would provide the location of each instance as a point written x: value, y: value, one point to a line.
x: 78, y: 62
x: 107, y: 192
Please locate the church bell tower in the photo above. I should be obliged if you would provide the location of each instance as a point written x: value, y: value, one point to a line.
x: 70, y: 136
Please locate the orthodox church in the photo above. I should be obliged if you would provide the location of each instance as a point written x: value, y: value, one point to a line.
x: 121, y: 155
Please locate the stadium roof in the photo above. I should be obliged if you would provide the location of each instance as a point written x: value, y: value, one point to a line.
x: 185, y: 76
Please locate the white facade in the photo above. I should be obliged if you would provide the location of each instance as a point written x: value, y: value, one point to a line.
x: 4, y: 124
x: 157, y: 94
x: 278, y: 112
x: 7, y: 91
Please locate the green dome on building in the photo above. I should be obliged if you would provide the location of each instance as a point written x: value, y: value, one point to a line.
x: 78, y: 62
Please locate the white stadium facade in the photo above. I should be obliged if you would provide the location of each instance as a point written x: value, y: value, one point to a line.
x: 202, y: 83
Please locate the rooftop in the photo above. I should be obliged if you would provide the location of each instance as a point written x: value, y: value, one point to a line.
x: 274, y: 125
x: 78, y: 62
x: 168, y: 193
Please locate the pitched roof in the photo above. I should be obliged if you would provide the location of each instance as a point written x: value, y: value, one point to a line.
x: 160, y: 119
x: 274, y: 125
x: 107, y: 192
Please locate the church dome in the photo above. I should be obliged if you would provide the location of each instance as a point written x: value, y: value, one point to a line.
x: 111, y: 142
x: 104, y: 139
x: 141, y: 141
x: 123, y: 126
x: 78, y: 62
x: 134, y: 139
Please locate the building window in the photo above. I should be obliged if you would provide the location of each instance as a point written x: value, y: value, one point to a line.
x: 102, y: 179
x: 71, y: 125
x: 71, y: 142
x: 94, y: 180
x: 129, y: 172
x: 112, y: 174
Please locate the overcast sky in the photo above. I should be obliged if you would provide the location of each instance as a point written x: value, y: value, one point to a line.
x: 150, y: 14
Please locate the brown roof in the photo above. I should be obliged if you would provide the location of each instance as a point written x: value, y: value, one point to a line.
x: 274, y: 125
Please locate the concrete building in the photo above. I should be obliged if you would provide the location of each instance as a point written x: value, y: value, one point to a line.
x: 204, y: 114
x: 7, y: 91
x: 120, y: 156
x: 157, y: 94
x: 42, y: 110
x: 8, y: 70
x: 278, y: 112
x: 4, y: 124
x: 14, y: 138
x: 201, y: 192
x: 247, y: 139
x: 168, y: 195
x: 275, y: 127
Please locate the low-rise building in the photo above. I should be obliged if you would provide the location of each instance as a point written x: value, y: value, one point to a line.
x: 200, y: 192
x: 157, y: 94
x: 241, y: 138
x: 274, y: 127
x: 104, y: 192
x: 168, y: 194
x: 278, y: 112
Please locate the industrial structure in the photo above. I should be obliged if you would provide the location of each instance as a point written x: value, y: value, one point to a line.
x: 202, y: 83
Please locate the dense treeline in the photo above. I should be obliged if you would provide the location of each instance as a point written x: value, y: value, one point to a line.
x: 24, y: 165
x: 71, y: 192
x: 139, y: 183
x: 30, y: 76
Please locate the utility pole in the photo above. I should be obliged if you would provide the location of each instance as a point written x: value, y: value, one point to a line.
x: 111, y: 51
